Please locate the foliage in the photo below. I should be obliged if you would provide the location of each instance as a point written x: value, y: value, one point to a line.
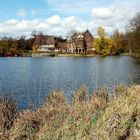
x: 118, y: 43
x: 34, y: 49
x: 112, y: 45
x: 101, y: 32
x: 15, y: 46
x: 103, y: 44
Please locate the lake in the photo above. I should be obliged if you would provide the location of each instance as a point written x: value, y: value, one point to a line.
x: 29, y: 79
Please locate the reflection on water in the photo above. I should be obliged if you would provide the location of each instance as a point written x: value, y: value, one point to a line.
x: 29, y: 80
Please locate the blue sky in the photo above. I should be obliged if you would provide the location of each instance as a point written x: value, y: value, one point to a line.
x: 58, y: 17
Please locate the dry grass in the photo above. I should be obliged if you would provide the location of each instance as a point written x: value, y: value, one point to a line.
x: 7, y: 115
x: 97, y: 117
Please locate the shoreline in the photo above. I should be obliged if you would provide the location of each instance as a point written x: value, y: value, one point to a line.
x: 136, y: 55
x: 77, y: 55
x: 86, y: 55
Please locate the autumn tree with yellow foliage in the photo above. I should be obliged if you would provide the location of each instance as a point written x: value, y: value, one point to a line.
x: 108, y: 45
x: 102, y: 44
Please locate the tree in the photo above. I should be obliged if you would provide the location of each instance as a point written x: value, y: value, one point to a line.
x: 116, y: 38
x: 133, y: 34
x: 4, y: 46
x: 101, y: 32
x: 134, y: 24
x: 100, y: 42
x: 108, y: 45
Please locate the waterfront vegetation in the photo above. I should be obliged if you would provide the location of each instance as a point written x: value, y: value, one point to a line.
x: 16, y: 46
x: 115, y: 44
x: 76, y: 55
x: 103, y: 115
x: 118, y: 43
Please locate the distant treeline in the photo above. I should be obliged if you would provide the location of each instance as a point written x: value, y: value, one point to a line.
x: 128, y: 42
x: 14, y: 46
x: 117, y: 43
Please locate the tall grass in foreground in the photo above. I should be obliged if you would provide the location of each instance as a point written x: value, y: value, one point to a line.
x: 8, y: 112
x: 102, y: 116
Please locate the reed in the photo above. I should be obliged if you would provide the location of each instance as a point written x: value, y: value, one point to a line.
x: 102, y: 115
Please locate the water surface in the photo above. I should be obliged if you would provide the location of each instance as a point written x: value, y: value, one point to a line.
x: 29, y: 79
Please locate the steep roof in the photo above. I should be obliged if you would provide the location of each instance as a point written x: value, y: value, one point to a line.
x: 79, y: 36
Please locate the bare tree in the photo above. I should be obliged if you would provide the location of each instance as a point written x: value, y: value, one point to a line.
x: 133, y: 33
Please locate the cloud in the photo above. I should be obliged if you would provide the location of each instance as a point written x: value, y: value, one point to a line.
x: 11, y: 22
x: 56, y: 25
x: 52, y: 25
x: 54, y: 20
x: 110, y: 14
x: 64, y: 16
x: 69, y: 21
x: 102, y: 13
x: 21, y: 13
x: 77, y: 7
x: 114, y: 16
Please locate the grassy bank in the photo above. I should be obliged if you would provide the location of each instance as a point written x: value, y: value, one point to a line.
x: 102, y: 116
x: 136, y: 55
x: 76, y: 55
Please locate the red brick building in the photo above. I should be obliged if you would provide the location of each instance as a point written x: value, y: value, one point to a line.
x: 76, y: 43
x: 80, y: 42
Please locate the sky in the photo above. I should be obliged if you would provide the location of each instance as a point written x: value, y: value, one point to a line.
x: 59, y: 17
